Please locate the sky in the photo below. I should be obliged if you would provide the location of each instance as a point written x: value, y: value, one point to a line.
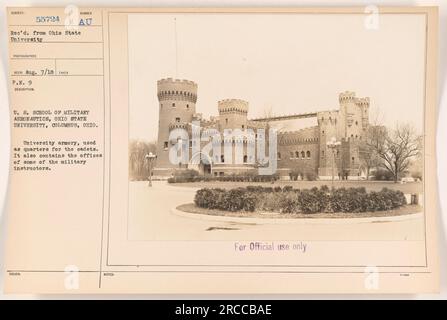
x: 279, y: 63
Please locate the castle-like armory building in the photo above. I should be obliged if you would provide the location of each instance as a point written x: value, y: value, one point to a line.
x: 303, y: 151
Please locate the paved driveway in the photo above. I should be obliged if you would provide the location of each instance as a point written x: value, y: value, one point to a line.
x: 150, y: 218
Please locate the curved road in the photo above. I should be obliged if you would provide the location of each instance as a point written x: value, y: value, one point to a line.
x: 150, y: 218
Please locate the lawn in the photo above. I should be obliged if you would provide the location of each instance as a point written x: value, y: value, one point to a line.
x: 407, y: 188
x: 404, y: 210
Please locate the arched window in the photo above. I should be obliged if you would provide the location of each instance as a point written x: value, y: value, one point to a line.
x: 297, y: 154
x: 222, y: 158
x: 303, y: 155
x: 173, y: 104
x: 187, y: 106
x: 245, y: 159
x: 308, y: 154
x: 279, y: 155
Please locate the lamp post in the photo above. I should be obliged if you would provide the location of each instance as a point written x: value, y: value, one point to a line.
x: 333, y: 144
x: 150, y: 157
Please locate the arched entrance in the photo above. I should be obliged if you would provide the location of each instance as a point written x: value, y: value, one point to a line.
x: 201, y: 162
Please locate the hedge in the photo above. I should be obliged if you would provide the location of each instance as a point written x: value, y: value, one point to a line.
x: 289, y: 200
x: 185, y: 176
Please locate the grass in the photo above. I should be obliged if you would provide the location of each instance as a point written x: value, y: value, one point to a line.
x: 404, y: 210
x: 410, y: 187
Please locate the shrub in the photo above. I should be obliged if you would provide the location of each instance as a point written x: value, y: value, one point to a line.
x: 294, y: 174
x: 209, y: 198
x: 238, y: 199
x: 313, y: 200
x: 310, y: 175
x: 384, y: 175
x: 289, y: 203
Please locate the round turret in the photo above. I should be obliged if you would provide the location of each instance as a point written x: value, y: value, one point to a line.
x: 177, y: 108
x: 227, y: 106
x: 176, y: 89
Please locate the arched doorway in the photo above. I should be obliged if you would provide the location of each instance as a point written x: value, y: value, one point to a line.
x: 201, y: 162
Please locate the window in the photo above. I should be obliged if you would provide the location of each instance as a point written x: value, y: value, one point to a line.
x: 322, y: 153
x: 297, y: 154
x: 165, y: 144
x: 222, y: 158
x: 353, y: 159
x: 245, y: 159
x: 173, y: 104
x: 226, y: 121
x: 356, y: 123
x: 243, y: 127
x: 190, y: 143
x: 308, y: 154
x: 303, y: 155
x: 177, y: 119
x: 161, y: 105
x: 291, y: 155
x: 323, y: 131
x: 279, y: 155
x: 187, y: 106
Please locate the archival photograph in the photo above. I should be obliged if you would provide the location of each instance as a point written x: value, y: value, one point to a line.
x: 276, y: 127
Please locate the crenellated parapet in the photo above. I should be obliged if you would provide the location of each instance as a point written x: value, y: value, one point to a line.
x: 302, y: 136
x: 327, y: 117
x: 347, y: 97
x: 178, y: 125
x: 362, y: 102
x: 176, y: 89
x: 228, y: 106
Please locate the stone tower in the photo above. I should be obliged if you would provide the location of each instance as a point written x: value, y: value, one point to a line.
x: 355, y: 112
x: 177, y: 106
x: 348, y: 126
x: 233, y: 114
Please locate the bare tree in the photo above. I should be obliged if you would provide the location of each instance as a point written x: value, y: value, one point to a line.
x: 137, y: 165
x: 395, y: 148
x: 367, y: 151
